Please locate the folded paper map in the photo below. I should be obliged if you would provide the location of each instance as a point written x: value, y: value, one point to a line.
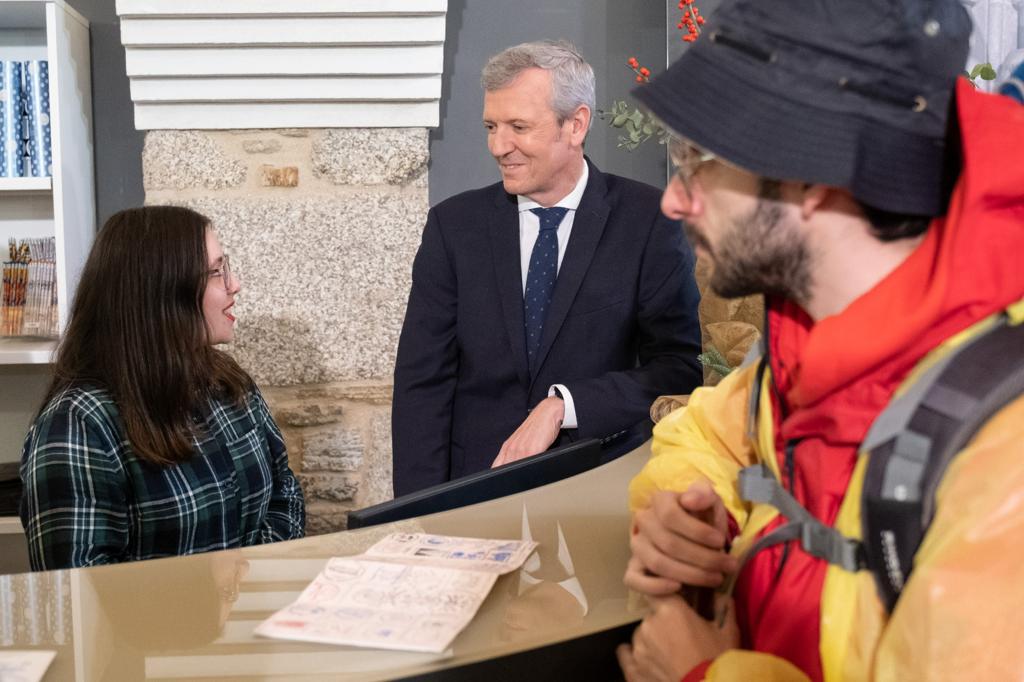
x: 410, y: 591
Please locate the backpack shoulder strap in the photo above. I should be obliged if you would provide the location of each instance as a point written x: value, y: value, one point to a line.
x: 913, y: 441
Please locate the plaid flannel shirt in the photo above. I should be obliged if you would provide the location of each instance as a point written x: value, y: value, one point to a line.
x: 89, y: 500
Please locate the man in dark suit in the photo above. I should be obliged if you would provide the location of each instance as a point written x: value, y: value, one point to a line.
x: 555, y: 305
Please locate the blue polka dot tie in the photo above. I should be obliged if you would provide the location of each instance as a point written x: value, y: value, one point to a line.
x: 540, y: 278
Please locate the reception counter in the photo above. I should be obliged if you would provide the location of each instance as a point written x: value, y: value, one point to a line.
x: 192, y: 618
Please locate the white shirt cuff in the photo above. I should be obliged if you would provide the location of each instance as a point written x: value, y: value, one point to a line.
x: 569, y: 420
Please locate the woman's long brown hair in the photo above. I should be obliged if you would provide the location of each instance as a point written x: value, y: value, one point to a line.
x: 137, y: 330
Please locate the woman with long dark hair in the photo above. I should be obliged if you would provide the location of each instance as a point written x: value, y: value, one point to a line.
x: 150, y: 441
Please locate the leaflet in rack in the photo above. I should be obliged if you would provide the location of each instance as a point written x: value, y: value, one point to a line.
x: 412, y: 592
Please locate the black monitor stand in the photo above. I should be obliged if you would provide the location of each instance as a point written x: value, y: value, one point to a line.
x: 524, y: 474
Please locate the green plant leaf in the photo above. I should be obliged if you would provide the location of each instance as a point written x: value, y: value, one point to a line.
x: 627, y: 143
x: 976, y: 71
x: 636, y: 124
x: 723, y: 370
x: 715, y: 361
x: 987, y: 72
x: 715, y: 355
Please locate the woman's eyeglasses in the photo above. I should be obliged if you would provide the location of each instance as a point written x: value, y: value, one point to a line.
x: 224, y: 271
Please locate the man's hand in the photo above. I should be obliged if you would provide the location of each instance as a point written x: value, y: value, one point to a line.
x: 535, y: 434
x: 672, y: 546
x: 673, y: 639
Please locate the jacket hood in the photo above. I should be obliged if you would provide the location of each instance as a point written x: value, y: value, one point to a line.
x: 967, y: 267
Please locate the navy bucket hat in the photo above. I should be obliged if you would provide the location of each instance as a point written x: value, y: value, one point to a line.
x: 849, y: 94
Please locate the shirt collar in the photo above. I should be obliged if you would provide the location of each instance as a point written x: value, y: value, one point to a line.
x: 570, y: 201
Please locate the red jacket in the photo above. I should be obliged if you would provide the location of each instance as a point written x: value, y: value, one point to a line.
x: 834, y: 377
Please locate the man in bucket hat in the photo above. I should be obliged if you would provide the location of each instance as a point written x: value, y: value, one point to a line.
x: 828, y: 157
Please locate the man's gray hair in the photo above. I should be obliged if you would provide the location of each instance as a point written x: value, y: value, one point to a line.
x: 572, y: 79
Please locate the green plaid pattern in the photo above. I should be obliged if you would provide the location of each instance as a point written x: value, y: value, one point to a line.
x: 89, y: 500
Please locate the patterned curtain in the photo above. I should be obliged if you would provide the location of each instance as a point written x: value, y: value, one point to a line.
x: 35, y: 609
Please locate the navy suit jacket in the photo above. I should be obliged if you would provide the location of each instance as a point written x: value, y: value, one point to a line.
x: 622, y: 327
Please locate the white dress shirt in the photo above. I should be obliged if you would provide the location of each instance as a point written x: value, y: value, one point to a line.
x: 529, y: 228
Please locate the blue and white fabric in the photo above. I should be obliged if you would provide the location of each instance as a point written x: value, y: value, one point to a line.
x: 10, y: 120
x: 36, y: 79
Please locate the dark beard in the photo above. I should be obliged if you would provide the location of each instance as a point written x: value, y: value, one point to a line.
x: 762, y: 253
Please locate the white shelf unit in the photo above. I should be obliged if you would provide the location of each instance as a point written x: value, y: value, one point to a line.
x: 63, y: 206
x: 26, y: 351
x: 23, y: 185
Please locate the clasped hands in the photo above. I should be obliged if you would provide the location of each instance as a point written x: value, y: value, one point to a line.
x: 680, y: 539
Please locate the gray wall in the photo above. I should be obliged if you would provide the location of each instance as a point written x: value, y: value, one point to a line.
x: 117, y: 146
x: 676, y: 46
x: 607, y: 33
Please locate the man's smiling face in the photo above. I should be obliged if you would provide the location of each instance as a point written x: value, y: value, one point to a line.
x: 539, y: 157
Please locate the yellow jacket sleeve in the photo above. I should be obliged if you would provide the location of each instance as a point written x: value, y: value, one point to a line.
x: 707, y: 439
x: 957, y: 616
x: 753, y: 665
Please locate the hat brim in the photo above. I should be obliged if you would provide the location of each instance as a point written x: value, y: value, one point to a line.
x: 731, y: 108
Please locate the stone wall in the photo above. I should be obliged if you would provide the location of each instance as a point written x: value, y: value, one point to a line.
x: 321, y: 227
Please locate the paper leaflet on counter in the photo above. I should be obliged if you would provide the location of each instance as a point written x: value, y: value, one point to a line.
x: 413, y: 592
